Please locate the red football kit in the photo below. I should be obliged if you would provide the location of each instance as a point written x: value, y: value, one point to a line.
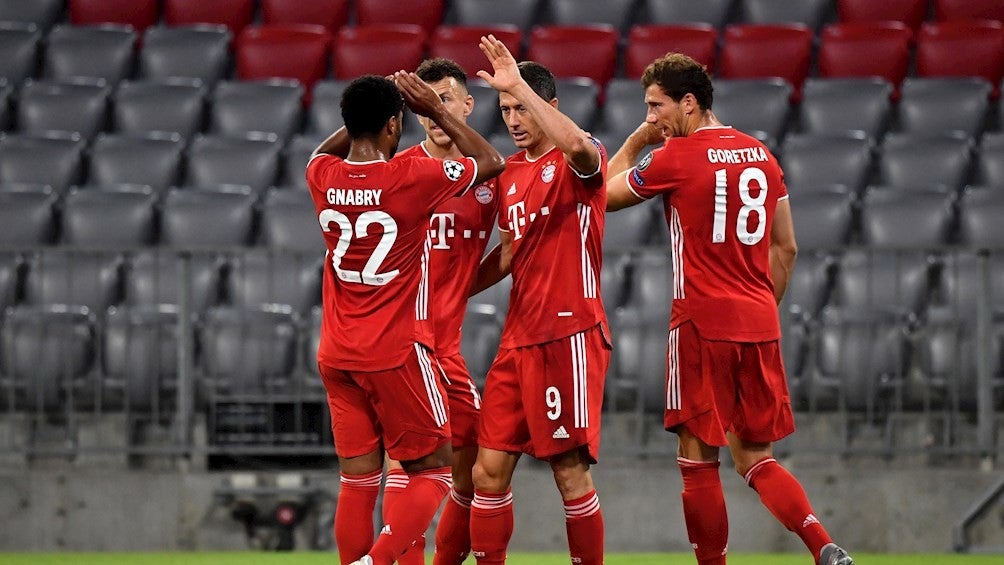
x: 459, y: 230
x: 720, y: 188
x: 544, y: 391
x: 380, y: 378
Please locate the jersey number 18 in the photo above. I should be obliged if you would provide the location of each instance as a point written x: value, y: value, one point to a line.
x: 751, y: 205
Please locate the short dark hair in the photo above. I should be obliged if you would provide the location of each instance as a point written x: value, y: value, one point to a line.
x: 539, y: 78
x: 435, y: 70
x: 677, y: 74
x: 368, y: 102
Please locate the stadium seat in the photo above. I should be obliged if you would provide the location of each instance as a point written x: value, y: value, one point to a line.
x: 903, y: 219
x: 42, y: 13
x: 332, y: 14
x: 962, y: 49
x: 576, y: 51
x: 763, y: 51
x: 19, y: 48
x: 822, y: 219
x: 809, y: 284
x: 169, y: 105
x: 153, y: 160
x: 240, y: 108
x: 714, y: 12
x: 639, y: 364
x: 80, y: 106
x: 10, y: 278
x: 959, y: 285
x: 325, y: 113
x: 74, y: 277
x: 262, y: 277
x: 153, y: 274
x: 290, y: 51
x: 461, y: 44
x: 485, y: 118
x: 811, y: 13
x: 215, y: 218
x: 117, y: 218
x: 812, y: 160
x: 979, y: 218
x: 614, y: 276
x: 618, y: 13
x: 428, y: 14
x: 248, y: 350
x: 199, y: 51
x: 520, y: 13
x: 833, y: 105
x: 235, y: 14
x: 647, y: 43
x: 866, y: 49
x: 295, y: 157
x: 54, y: 159
x: 494, y: 300
x: 990, y: 160
x: 289, y: 222
x: 944, y: 105
x: 753, y: 105
x: 106, y: 52
x: 627, y: 229
x: 27, y: 218
x: 881, y: 282
x: 377, y: 49
x: 577, y: 98
x: 947, y: 354
x: 622, y: 112
x: 947, y: 10
x: 925, y: 161
x: 6, y: 95
x: 651, y: 283
x: 250, y: 161
x: 139, y: 349
x: 139, y: 14
x: 910, y: 12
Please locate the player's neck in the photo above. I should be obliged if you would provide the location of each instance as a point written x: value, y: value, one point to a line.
x: 700, y: 120
x: 365, y: 150
x: 439, y: 152
x: 537, y: 151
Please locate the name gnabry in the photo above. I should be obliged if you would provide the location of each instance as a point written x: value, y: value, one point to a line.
x: 744, y: 155
x: 354, y: 196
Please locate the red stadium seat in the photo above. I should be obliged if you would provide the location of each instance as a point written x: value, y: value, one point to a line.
x: 866, y: 49
x: 296, y: 51
x: 969, y: 10
x: 910, y: 12
x: 378, y: 49
x: 649, y: 42
x: 235, y: 14
x: 426, y: 13
x: 576, y: 51
x: 140, y: 14
x: 331, y: 14
x: 761, y: 51
x: 460, y: 43
x: 962, y: 48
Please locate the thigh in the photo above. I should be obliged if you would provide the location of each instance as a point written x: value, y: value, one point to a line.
x: 464, y: 400
x: 354, y: 424
x: 763, y: 410
x: 503, y: 421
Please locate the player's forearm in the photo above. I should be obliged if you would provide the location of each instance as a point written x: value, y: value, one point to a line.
x: 471, y: 144
x: 627, y: 155
x: 493, y: 268
x: 336, y: 144
x: 561, y: 130
x: 782, y: 262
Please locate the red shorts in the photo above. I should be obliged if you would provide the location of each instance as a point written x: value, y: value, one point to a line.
x: 403, y: 408
x: 546, y: 399
x: 713, y: 387
x: 464, y: 400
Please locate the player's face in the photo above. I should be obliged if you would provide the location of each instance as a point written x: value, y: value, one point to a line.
x: 664, y: 112
x: 522, y: 128
x: 458, y: 103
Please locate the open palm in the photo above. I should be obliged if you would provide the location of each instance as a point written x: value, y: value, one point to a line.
x: 506, y: 75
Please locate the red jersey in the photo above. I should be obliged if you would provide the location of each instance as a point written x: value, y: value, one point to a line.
x: 460, y: 229
x: 375, y: 220
x: 720, y: 188
x: 555, y: 218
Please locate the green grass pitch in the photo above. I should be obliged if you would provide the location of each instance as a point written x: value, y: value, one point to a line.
x: 316, y: 558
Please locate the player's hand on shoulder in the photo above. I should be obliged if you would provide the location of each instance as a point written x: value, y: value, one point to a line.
x: 506, y: 74
x: 419, y: 96
x: 650, y: 134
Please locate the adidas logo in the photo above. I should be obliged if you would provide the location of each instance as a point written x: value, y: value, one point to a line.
x: 560, y: 433
x: 810, y: 519
x: 386, y: 531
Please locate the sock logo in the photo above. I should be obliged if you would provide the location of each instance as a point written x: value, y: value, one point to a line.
x: 386, y: 530
x: 809, y: 520
x: 478, y: 554
x: 576, y: 559
x: 560, y: 433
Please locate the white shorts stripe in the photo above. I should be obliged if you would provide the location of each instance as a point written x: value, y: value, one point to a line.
x: 673, y: 400
x: 580, y: 388
x: 429, y: 376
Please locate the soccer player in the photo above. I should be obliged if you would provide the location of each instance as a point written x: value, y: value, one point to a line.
x: 459, y: 231
x: 383, y: 385
x: 733, y: 248
x: 544, y: 391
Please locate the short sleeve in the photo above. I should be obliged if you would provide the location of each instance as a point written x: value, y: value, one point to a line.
x: 783, y: 194
x: 442, y: 179
x: 596, y: 178
x: 317, y: 169
x: 655, y: 174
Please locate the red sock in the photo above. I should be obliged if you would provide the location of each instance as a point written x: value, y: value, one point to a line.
x: 354, y: 514
x: 393, y: 488
x: 491, y: 526
x: 453, y: 535
x: 784, y: 496
x: 584, y: 525
x: 704, y: 510
x: 409, y: 517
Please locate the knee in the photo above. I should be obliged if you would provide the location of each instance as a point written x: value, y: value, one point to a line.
x: 488, y: 478
x: 573, y: 481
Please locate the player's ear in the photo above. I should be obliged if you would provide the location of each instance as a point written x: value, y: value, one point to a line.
x: 468, y: 105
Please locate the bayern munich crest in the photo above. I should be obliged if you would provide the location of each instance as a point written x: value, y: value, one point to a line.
x: 547, y: 174
x: 483, y: 194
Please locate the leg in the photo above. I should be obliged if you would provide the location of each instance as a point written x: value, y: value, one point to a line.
x: 491, y: 511
x: 394, y: 487
x: 453, y: 535
x: 703, y: 500
x: 583, y: 516
x: 360, y: 485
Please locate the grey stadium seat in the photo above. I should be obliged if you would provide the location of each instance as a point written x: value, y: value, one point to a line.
x: 906, y: 218
x: 959, y: 286
x: 942, y: 105
x: 639, y: 363
x: 831, y: 105
x: 239, y: 108
x: 714, y: 12
x: 152, y: 277
x: 990, y: 161
x: 650, y: 291
x: 10, y: 278
x: 493, y: 300
x: 55, y: 160
x: 486, y: 117
x: 215, y: 160
x: 74, y: 277
x: 27, y: 218
x: 248, y: 351
x: 980, y: 213
x: 201, y: 52
x: 106, y: 52
x: 925, y: 161
x: 521, y: 13
x: 153, y: 160
x: 295, y: 159
x: 822, y: 219
x: 262, y: 277
x: 19, y: 46
x: 140, y: 350
x: 627, y: 229
x: 871, y: 283
x: 622, y: 113
x: 6, y: 92
x: 809, y: 12
x: 200, y: 218
x: 614, y: 279
x: 170, y: 105
x: 618, y: 13
x: 115, y: 218
x: 946, y: 365
x: 577, y: 100
x: 288, y: 221
x: 753, y: 104
x: 325, y: 113
x: 809, y: 284
x: 79, y: 106
x: 812, y: 160
x: 42, y: 13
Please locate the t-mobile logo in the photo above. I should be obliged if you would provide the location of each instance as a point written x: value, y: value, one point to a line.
x: 517, y: 219
x: 441, y: 229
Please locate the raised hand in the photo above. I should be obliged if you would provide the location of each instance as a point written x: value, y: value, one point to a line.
x: 419, y: 96
x: 649, y: 134
x: 506, y: 75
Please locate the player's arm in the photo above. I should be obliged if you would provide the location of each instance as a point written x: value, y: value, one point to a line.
x: 580, y: 153
x: 424, y: 101
x: 619, y: 194
x: 782, y: 248
x: 495, y: 266
x: 336, y: 144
